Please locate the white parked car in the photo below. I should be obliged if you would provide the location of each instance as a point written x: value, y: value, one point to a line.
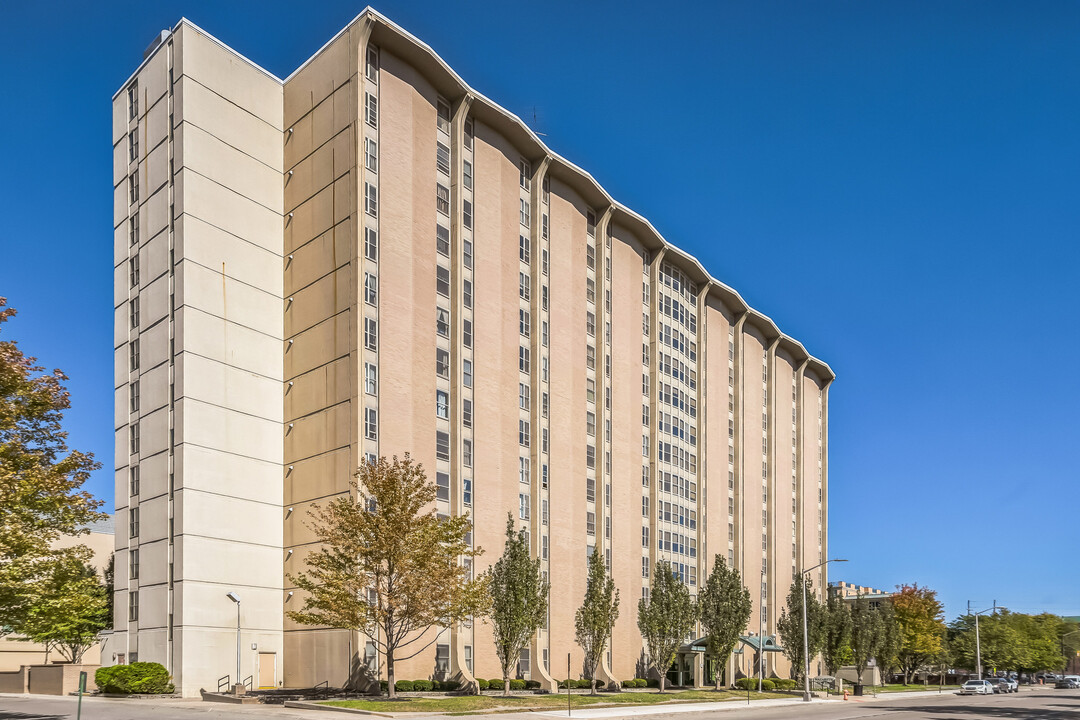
x: 977, y: 687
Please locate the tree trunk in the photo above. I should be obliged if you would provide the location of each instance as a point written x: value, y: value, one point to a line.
x: 506, y: 684
x: 390, y: 674
x: 663, y: 678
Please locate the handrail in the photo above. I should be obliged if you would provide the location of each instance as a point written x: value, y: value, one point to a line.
x: 223, y: 683
x: 325, y: 685
x: 248, y: 682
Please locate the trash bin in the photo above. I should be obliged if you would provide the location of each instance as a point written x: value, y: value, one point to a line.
x: 858, y: 689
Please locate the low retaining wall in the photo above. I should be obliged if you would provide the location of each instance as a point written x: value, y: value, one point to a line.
x: 47, y: 679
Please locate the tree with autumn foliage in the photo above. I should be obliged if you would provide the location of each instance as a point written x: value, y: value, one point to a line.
x: 388, y: 566
x: 921, y: 622
x: 40, y: 484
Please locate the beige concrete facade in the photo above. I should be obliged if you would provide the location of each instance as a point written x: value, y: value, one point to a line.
x: 370, y: 258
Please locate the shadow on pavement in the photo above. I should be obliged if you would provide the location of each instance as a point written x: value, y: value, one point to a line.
x: 12, y: 715
x: 1004, y: 712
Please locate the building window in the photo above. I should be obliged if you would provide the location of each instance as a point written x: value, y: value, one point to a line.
x: 133, y: 522
x: 544, y: 226
x: 442, y: 158
x: 523, y: 396
x: 133, y: 187
x: 372, y: 110
x: 134, y: 433
x: 590, y: 357
x: 442, y: 404
x: 371, y: 334
x: 442, y: 445
x: 442, y: 198
x: 523, y: 249
x: 371, y: 288
x: 544, y: 333
x: 466, y: 253
x: 133, y: 389
x: 525, y: 174
x: 466, y: 333
x: 466, y: 293
x: 134, y: 480
x: 466, y: 373
x: 133, y: 565
x: 133, y: 609
x: 523, y: 506
x: 468, y: 134
x: 523, y: 433
x: 442, y: 485
x: 133, y: 310
x: 544, y: 547
x: 523, y: 359
x: 371, y: 244
x: 590, y: 390
x: 371, y: 377
x: 523, y: 470
x: 524, y: 663
x: 134, y: 355
x: 373, y: 64
x: 544, y: 297
x: 467, y: 174
x: 133, y: 145
x: 590, y: 456
x: 442, y: 280
x: 442, y: 322
x: 443, y: 112
x: 466, y: 492
x: 590, y: 422
x: 371, y: 204
x: 525, y: 212
x: 371, y: 424
x: 523, y: 322
x: 590, y: 324
x: 371, y: 155
x: 133, y: 229
x: 524, y: 290
x: 442, y: 240
x: 466, y: 215
x: 133, y: 100
x: 466, y: 413
x: 590, y: 523
x: 467, y: 452
x: 442, y: 363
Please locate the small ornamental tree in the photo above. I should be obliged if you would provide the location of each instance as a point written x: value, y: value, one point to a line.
x: 790, y: 625
x: 887, y: 642
x: 836, y: 649
x: 69, y: 608
x: 665, y: 619
x: 40, y: 482
x: 864, y: 634
x: 596, y: 617
x: 389, y: 567
x: 725, y: 609
x: 922, y: 628
x: 519, y: 600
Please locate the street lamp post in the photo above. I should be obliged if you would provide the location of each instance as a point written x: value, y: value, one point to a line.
x: 761, y: 634
x: 978, y: 645
x: 236, y: 599
x: 806, y: 630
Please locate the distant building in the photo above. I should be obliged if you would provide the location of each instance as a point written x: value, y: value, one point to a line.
x: 15, y: 651
x: 849, y: 592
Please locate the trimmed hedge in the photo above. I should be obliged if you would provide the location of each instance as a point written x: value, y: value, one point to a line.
x: 532, y: 684
x: 652, y: 682
x: 517, y: 684
x: 138, y: 677
x: 449, y: 685
x: 482, y: 683
x: 784, y: 684
x: 383, y: 686
x: 422, y: 686
x: 404, y: 686
x: 495, y: 684
x: 750, y: 683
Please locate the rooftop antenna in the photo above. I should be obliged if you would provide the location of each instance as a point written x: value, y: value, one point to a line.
x: 534, y: 124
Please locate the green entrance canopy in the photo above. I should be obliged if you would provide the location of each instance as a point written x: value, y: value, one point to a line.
x: 755, y: 642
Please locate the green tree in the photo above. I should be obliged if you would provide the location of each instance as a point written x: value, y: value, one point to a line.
x: 887, y: 642
x: 864, y: 634
x: 790, y: 625
x: 724, y: 605
x: 40, y: 481
x: 596, y: 617
x: 665, y: 618
x: 388, y: 566
x: 69, y: 608
x: 836, y: 649
x: 922, y: 628
x: 110, y: 587
x: 519, y: 600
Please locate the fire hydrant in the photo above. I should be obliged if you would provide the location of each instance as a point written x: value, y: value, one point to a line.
x: 845, y: 693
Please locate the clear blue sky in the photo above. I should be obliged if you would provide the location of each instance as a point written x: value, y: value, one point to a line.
x: 895, y: 183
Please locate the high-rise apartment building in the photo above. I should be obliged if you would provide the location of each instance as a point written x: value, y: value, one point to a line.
x: 371, y: 258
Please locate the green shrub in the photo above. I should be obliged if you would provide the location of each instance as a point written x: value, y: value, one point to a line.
x: 517, y: 684
x: 482, y: 683
x: 628, y: 684
x: 652, y: 682
x: 767, y: 685
x: 495, y: 684
x: 784, y: 684
x: 449, y: 685
x: 138, y: 677
x: 404, y: 686
x: 383, y: 686
x: 746, y: 683
x: 423, y: 685
x: 532, y: 684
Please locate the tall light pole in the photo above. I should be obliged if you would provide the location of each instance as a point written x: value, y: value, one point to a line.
x: 806, y: 631
x: 236, y: 599
x: 978, y: 646
x: 761, y: 634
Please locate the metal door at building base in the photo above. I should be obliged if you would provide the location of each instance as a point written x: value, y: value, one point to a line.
x: 267, y: 670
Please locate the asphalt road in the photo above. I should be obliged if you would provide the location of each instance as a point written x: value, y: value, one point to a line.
x: 1043, y: 704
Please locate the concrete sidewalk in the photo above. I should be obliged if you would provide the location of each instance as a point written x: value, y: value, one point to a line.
x: 670, y: 708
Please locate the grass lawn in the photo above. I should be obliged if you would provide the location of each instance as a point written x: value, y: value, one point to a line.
x: 479, y: 703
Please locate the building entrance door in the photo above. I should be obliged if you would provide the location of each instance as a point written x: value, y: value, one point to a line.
x: 267, y: 670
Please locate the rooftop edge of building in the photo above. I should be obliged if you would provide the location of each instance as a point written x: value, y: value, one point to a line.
x: 388, y: 34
